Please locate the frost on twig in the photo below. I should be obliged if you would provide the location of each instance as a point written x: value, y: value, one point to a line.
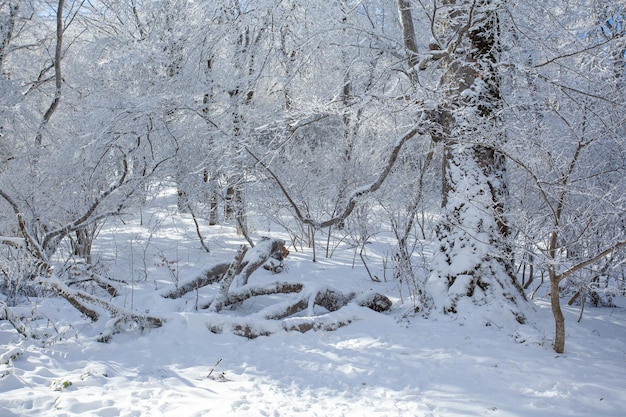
x: 7, y: 314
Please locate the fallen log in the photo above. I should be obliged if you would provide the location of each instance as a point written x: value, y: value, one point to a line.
x: 208, y: 277
x: 242, y: 294
x: 254, y: 258
x: 80, y: 300
x: 279, y: 316
x: 265, y: 249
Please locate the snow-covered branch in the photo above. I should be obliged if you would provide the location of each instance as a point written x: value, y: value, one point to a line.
x: 353, y: 198
x: 590, y: 261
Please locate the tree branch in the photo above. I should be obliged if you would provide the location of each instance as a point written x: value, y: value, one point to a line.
x: 356, y: 194
x: 79, y: 223
x: 571, y: 54
x: 6, y: 314
x: 590, y: 261
x: 31, y: 243
x: 58, y: 79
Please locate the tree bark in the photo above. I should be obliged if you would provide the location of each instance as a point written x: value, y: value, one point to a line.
x: 6, y: 30
x: 557, y: 313
x: 208, y: 277
x: 58, y: 79
x: 233, y: 270
x: 474, y: 258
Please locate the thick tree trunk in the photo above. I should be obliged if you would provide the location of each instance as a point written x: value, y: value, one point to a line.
x: 474, y: 260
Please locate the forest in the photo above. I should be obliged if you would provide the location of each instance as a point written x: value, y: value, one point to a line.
x: 443, y: 160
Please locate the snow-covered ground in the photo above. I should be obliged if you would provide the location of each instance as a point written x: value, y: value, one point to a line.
x: 383, y: 364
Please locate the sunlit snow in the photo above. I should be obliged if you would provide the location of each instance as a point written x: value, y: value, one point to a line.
x: 391, y: 364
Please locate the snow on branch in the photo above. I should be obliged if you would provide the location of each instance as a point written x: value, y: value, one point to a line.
x: 341, y: 309
x: 591, y: 261
x: 239, y: 270
x: 352, y: 199
x: 286, y: 314
x: 123, y: 319
x: 31, y: 242
x: 7, y: 314
x: 208, y: 277
x: 346, y: 308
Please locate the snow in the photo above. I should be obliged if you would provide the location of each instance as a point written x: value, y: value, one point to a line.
x: 381, y: 364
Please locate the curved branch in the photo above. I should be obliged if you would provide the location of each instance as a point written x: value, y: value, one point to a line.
x: 31, y: 243
x: 574, y: 53
x: 198, y: 232
x: 356, y: 194
x: 60, y: 233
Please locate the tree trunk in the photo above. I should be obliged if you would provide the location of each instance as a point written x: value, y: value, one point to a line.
x: 58, y: 78
x: 557, y: 313
x: 82, y: 243
x: 474, y: 258
x: 213, y: 209
x: 6, y: 30
x: 208, y: 277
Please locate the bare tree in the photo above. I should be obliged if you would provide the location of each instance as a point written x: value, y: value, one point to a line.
x: 566, y: 113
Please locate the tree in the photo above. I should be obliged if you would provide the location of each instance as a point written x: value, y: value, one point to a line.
x: 474, y: 258
x: 566, y: 111
x: 343, y: 110
x: 67, y: 174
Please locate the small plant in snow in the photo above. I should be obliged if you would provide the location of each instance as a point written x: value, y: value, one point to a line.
x: 60, y: 385
x: 18, y: 273
x: 219, y: 376
x: 172, y: 267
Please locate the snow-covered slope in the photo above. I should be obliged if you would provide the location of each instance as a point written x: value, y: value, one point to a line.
x: 383, y: 364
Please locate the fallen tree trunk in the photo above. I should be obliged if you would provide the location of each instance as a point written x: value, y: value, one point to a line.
x: 330, y: 299
x: 302, y: 325
x: 103, y: 282
x: 208, y: 277
x: 242, y: 294
x: 254, y: 258
x: 252, y: 327
x: 279, y: 316
x: 233, y: 270
x: 264, y: 250
x: 71, y: 296
x: 121, y: 316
